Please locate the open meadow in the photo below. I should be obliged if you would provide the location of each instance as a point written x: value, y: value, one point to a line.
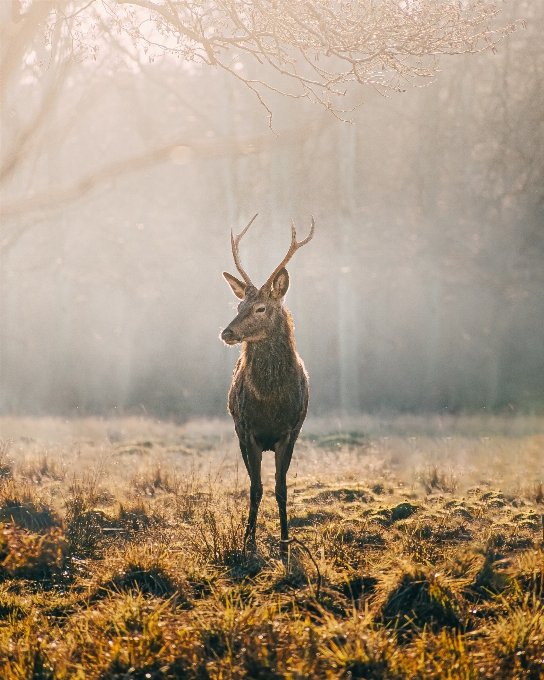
x: 418, y: 551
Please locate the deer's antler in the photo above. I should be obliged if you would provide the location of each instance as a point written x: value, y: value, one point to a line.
x: 295, y: 245
x: 235, y: 253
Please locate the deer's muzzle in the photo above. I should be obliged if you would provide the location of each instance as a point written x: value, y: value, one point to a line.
x: 229, y: 337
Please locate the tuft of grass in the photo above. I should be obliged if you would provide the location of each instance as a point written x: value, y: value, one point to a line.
x: 347, y: 542
x: 517, y: 640
x: 492, y: 577
x: 217, y: 537
x: 154, y: 480
x: 29, y: 556
x: 144, y: 569
x: 413, y: 597
x: 344, y: 495
x: 435, y: 478
x: 6, y: 464
x: 21, y: 505
x: 45, y: 468
x: 83, y: 522
x: 368, y: 657
x: 13, y: 606
x: 527, y: 573
x: 134, y: 516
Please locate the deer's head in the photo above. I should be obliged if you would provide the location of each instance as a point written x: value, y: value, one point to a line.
x: 259, y: 308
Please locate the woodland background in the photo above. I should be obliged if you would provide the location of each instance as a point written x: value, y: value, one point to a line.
x: 423, y: 289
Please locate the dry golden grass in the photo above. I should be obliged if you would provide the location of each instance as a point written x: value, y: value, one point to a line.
x: 121, y: 552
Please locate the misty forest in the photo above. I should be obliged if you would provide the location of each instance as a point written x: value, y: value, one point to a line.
x: 134, y: 136
x: 422, y: 290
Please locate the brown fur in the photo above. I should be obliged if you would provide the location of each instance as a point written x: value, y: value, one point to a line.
x: 268, y: 398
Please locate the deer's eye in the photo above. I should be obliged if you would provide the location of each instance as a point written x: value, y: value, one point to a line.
x: 260, y: 309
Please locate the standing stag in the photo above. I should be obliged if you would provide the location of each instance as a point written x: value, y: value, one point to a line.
x: 268, y: 398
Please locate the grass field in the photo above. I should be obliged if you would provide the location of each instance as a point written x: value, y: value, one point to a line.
x: 419, y: 551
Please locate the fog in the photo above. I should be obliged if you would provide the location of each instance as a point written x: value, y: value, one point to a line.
x: 422, y: 290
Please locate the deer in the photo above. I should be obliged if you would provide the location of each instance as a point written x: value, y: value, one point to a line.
x: 268, y: 397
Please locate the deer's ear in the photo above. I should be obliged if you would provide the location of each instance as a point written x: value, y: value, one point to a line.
x: 238, y: 287
x: 280, y: 284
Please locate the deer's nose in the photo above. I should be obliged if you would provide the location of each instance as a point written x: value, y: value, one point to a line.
x: 228, y: 336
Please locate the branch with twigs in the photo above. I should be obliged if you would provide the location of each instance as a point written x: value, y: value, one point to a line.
x: 320, y: 46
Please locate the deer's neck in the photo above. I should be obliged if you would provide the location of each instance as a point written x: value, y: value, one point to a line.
x: 272, y: 364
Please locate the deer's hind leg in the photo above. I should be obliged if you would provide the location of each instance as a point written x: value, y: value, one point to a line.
x: 252, y: 454
x: 283, y: 453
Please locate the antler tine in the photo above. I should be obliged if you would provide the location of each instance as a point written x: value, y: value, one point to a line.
x: 235, y: 253
x: 295, y: 245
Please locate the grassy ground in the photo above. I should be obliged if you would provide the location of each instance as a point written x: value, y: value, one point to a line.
x: 420, y: 553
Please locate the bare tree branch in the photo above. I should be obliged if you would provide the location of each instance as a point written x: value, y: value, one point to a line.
x: 53, y: 198
x: 382, y: 43
x: 313, y: 49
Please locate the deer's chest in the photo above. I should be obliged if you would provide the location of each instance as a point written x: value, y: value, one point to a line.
x: 265, y: 405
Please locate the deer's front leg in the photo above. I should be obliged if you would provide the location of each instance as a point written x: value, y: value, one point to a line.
x: 252, y: 455
x: 283, y: 451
